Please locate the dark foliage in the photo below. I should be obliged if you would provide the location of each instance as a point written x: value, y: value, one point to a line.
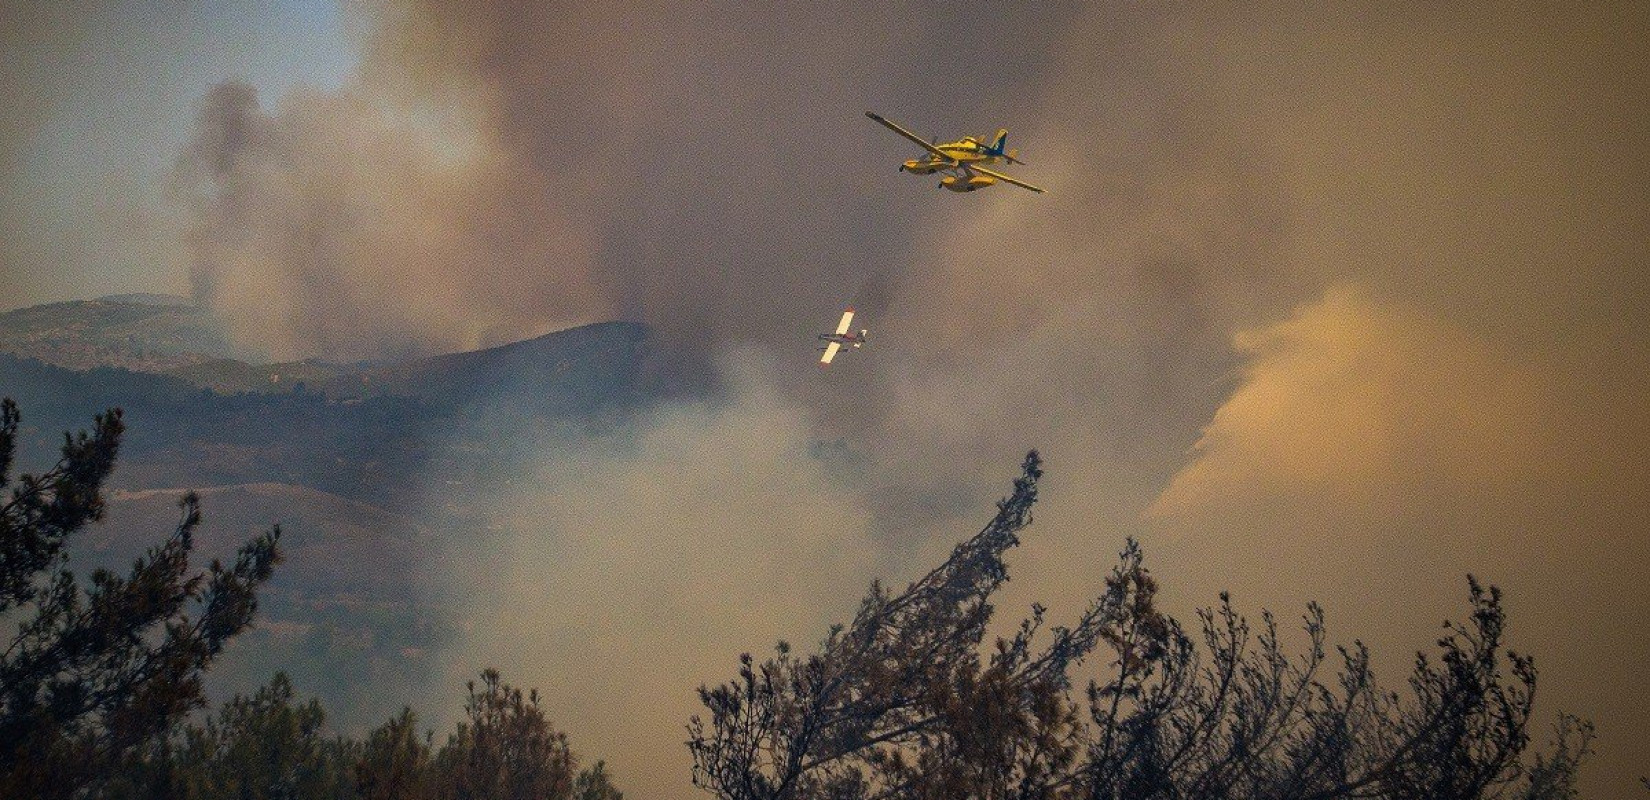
x: 100, y: 668
x: 98, y: 683
x: 394, y: 762
x: 506, y: 748
x: 902, y: 703
x: 271, y: 746
x: 596, y: 784
x: 263, y: 747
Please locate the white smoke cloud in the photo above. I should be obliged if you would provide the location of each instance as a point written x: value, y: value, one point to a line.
x: 1374, y: 451
x: 634, y: 571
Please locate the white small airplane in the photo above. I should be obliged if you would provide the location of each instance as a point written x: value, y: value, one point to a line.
x: 842, y: 337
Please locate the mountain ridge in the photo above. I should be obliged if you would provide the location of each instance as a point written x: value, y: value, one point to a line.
x: 140, y: 336
x: 344, y: 458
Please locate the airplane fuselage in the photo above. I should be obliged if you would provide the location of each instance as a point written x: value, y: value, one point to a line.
x: 963, y: 154
x: 967, y: 151
x: 849, y: 339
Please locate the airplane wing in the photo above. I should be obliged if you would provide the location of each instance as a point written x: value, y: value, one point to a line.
x: 830, y: 352
x: 1004, y: 178
x: 938, y: 153
x: 847, y: 317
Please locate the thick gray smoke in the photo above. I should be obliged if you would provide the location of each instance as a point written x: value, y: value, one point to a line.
x: 335, y: 227
x: 517, y: 169
x: 1335, y: 308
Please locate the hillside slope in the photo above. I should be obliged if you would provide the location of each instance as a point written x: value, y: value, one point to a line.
x: 141, y: 335
x: 364, y: 435
x: 343, y: 614
x: 570, y: 371
x: 376, y: 475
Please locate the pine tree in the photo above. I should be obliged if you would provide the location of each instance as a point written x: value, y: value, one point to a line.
x: 903, y: 703
x: 506, y: 749
x: 395, y: 763
x: 594, y: 783
x: 98, y: 669
x: 269, y: 746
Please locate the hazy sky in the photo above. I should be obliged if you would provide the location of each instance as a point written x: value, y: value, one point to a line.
x: 100, y: 98
x: 1319, y: 305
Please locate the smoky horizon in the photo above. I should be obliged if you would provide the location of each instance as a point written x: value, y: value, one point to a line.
x: 1319, y: 305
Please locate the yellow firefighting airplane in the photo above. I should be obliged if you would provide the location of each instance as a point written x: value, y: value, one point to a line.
x: 843, y: 336
x: 964, y: 160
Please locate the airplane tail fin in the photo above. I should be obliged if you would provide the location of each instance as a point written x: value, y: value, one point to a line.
x: 997, y: 144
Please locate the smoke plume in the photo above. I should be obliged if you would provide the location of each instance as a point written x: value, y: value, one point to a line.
x: 1424, y: 223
